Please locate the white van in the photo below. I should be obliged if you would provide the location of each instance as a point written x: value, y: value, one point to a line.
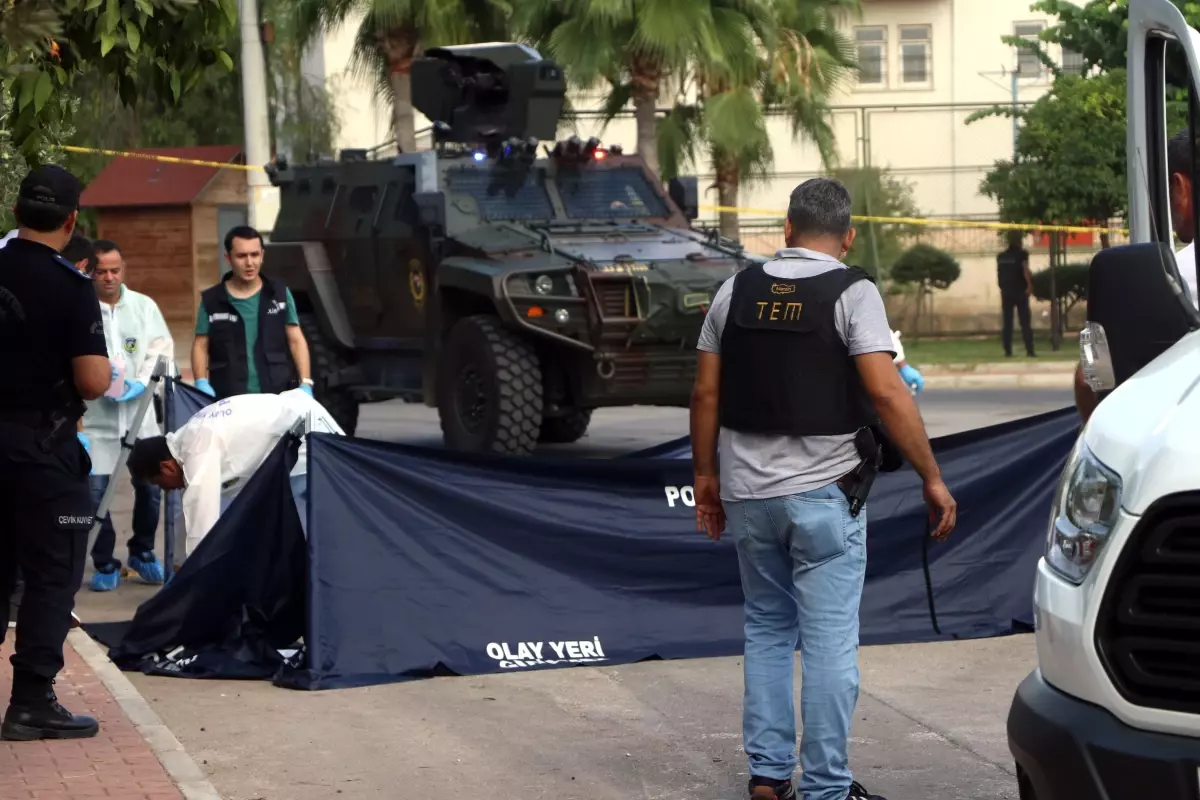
x: 1113, y: 710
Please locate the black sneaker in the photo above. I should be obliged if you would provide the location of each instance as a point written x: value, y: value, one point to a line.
x: 857, y: 792
x: 767, y: 789
x: 45, y: 719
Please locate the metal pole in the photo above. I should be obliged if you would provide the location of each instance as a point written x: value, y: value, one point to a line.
x: 263, y: 198
x: 1015, y: 96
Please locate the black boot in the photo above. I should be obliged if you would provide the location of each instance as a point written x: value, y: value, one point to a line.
x: 28, y: 719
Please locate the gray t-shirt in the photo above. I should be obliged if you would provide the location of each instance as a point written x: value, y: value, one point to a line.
x: 760, y: 466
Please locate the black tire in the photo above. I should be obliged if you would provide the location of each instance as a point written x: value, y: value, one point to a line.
x: 569, y: 427
x: 324, y: 361
x: 489, y: 389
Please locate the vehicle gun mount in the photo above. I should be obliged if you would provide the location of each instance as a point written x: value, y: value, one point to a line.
x: 490, y: 95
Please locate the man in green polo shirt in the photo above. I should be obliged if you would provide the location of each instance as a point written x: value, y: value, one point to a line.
x: 248, y: 336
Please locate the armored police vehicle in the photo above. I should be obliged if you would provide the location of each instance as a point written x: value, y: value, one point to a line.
x: 515, y: 286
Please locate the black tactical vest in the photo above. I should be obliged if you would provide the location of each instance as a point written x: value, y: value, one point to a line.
x: 1010, y: 271
x: 227, y: 357
x: 784, y: 368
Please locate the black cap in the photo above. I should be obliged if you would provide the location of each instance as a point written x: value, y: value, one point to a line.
x: 51, y: 185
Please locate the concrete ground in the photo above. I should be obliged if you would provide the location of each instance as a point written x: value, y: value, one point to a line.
x: 930, y: 723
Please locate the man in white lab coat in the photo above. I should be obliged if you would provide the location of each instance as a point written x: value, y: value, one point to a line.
x: 214, y: 454
x: 137, y: 335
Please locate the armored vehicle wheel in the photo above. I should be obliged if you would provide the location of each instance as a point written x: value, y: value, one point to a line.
x: 566, y: 428
x: 325, y: 360
x: 490, y: 389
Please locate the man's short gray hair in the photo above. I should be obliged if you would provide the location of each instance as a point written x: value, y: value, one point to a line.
x: 820, y: 207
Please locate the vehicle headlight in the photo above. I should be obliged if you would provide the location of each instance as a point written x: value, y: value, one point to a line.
x: 1085, y: 511
x: 1095, y: 358
x: 544, y: 284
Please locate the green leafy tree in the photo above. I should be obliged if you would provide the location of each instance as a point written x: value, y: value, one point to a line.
x: 1099, y: 31
x: 633, y: 48
x: 1070, y: 165
x: 920, y: 271
x: 790, y: 67
x: 1067, y: 285
x: 392, y: 35
x: 304, y: 114
x: 164, y: 46
x: 876, y: 192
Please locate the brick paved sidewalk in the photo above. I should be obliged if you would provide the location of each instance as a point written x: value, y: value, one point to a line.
x: 118, y: 763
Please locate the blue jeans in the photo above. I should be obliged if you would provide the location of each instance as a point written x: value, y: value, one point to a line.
x: 803, y: 559
x: 146, y: 501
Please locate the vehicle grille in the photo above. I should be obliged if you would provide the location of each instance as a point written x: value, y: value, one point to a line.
x: 1148, y: 630
x: 615, y: 298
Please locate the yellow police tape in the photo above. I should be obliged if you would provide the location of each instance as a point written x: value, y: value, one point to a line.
x: 932, y: 223
x: 938, y: 223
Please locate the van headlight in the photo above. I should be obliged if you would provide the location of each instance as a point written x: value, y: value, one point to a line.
x: 1085, y: 511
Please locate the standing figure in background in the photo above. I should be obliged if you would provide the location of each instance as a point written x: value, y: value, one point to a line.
x: 1016, y: 287
x: 248, y: 337
x: 137, y: 335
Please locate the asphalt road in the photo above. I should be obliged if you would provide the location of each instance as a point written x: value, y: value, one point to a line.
x: 929, y: 724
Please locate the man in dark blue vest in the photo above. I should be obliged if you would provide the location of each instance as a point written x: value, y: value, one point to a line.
x: 795, y: 365
x: 248, y: 337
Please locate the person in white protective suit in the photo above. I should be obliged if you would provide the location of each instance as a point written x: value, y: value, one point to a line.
x: 214, y: 454
x: 908, y: 373
x: 137, y: 336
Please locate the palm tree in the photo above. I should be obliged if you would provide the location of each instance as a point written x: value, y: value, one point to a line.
x: 633, y: 47
x: 795, y: 65
x: 392, y: 35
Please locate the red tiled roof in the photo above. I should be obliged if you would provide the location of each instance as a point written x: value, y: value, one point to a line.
x: 142, y: 182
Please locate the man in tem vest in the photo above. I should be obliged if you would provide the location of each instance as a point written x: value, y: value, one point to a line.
x: 248, y: 337
x: 795, y: 360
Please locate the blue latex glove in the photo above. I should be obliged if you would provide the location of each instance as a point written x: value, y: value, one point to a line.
x: 133, y: 389
x: 86, y: 442
x: 203, y: 385
x: 304, y: 387
x: 910, y: 376
x: 113, y: 377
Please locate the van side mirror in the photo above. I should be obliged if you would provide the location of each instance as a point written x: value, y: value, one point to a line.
x: 1136, y: 294
x: 685, y: 193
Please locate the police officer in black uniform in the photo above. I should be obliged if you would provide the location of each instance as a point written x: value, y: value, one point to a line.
x: 54, y: 357
x: 1016, y: 287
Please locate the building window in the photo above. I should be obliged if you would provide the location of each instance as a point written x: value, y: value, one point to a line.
x: 915, y: 53
x: 872, y: 55
x: 1028, y: 64
x: 1072, y: 62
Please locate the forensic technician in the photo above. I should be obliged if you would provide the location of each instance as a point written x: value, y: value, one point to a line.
x: 213, y: 455
x: 137, y: 335
x: 54, y: 355
x: 795, y: 365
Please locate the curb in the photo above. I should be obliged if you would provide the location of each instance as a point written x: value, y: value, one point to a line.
x: 179, y: 765
x: 968, y: 381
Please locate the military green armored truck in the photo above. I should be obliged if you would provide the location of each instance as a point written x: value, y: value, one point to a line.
x: 513, y: 285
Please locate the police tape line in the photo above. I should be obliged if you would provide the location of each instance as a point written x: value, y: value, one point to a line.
x: 937, y: 223
x: 156, y: 157
x: 929, y: 223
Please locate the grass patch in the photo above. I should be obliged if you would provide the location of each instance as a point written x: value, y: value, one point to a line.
x: 984, y: 350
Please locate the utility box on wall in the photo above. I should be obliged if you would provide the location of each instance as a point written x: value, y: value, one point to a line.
x: 170, y: 221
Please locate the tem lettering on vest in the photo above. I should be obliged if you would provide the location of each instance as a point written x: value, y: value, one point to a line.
x: 778, y: 311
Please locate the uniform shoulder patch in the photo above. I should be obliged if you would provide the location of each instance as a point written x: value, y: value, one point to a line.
x: 62, y: 262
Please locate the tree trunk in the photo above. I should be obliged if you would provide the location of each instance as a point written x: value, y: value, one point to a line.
x: 647, y: 77
x: 399, y: 46
x: 728, y: 178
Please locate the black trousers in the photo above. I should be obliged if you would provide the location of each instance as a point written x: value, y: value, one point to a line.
x: 1019, y: 302
x: 45, y: 515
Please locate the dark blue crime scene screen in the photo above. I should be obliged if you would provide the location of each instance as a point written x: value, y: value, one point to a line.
x: 420, y: 562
